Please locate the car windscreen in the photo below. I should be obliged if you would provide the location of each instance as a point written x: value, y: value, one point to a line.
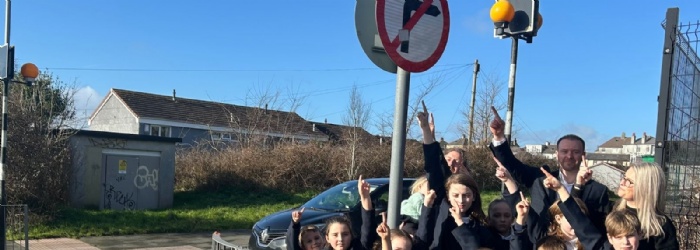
x: 341, y: 197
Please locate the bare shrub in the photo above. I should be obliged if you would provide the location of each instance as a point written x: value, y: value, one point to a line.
x: 39, y: 164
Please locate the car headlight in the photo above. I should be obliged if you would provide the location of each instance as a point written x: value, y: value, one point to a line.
x: 278, y: 243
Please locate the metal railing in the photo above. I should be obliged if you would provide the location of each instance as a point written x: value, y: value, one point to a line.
x: 678, y: 127
x: 217, y: 243
x: 17, y: 226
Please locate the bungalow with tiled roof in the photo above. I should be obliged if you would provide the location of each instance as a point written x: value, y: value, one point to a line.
x: 614, y: 145
x: 196, y: 121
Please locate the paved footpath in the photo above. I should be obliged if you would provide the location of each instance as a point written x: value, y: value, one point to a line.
x: 170, y: 241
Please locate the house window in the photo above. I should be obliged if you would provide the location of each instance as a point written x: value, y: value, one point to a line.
x: 161, y: 131
x: 222, y: 136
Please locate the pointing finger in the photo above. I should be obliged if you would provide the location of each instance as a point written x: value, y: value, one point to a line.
x: 495, y: 112
x: 432, y: 118
x: 498, y: 162
x: 302, y: 210
x: 522, y: 196
x: 425, y: 108
x: 383, y: 218
x: 546, y: 173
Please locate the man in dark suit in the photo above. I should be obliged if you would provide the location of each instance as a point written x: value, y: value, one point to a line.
x: 577, y: 180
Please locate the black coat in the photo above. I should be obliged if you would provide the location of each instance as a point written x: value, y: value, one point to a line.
x: 593, y: 194
x: 436, y: 227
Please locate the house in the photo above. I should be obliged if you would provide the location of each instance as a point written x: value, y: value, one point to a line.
x: 598, y: 158
x: 460, y: 143
x: 546, y: 150
x: 608, y: 174
x: 343, y: 134
x: 614, y: 145
x: 197, y: 121
x: 623, y: 149
x: 638, y: 147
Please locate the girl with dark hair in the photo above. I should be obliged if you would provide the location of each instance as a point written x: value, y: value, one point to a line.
x: 457, y: 198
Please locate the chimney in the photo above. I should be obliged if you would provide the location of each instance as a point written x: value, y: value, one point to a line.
x: 546, y: 143
x: 644, y: 138
x: 633, y: 138
x: 173, y: 94
x: 381, y: 140
x: 265, y: 107
x: 325, y: 121
x: 623, y: 135
x: 313, y: 127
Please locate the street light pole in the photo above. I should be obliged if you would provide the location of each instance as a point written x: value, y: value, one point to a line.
x: 3, y: 140
x: 511, y: 87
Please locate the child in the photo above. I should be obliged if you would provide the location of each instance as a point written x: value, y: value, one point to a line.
x: 392, y: 239
x: 411, y: 207
x: 306, y: 238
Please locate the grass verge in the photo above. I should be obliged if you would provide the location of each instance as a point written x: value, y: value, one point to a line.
x: 191, y: 212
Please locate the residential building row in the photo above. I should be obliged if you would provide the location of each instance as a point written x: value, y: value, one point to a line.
x: 198, y: 121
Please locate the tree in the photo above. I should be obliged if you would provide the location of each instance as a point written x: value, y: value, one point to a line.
x: 384, y: 122
x: 358, y: 113
x: 487, y: 95
x: 39, y: 159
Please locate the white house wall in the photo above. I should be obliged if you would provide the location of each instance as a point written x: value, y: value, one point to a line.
x: 113, y: 116
x: 607, y: 176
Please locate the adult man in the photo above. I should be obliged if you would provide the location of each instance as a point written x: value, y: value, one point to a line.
x: 577, y: 180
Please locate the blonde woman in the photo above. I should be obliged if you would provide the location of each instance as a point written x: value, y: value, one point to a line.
x: 642, y: 192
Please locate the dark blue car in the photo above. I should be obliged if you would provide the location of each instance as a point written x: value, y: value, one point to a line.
x: 342, y: 199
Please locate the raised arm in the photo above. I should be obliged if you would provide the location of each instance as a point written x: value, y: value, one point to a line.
x: 435, y: 167
x: 501, y: 150
x: 368, y: 233
x: 504, y: 176
x: 384, y: 233
x: 292, y: 235
x: 426, y: 224
x: 521, y: 240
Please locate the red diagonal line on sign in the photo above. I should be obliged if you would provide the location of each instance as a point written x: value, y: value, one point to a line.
x: 414, y: 20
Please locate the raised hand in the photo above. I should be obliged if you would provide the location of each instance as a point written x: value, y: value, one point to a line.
x: 432, y: 121
x: 501, y: 171
x: 423, y: 118
x: 584, y: 173
x: 296, y: 215
x: 497, y: 125
x: 429, y: 198
x: 454, y: 212
x: 550, y: 181
x: 522, y: 208
x: 363, y: 188
x: 383, y: 228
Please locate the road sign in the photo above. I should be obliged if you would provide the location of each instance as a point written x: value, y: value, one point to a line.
x: 4, y: 59
x: 366, y: 26
x: 414, y: 33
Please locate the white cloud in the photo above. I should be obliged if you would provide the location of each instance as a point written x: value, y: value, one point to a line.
x: 86, y: 100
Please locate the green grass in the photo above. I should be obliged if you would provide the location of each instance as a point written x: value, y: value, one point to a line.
x: 191, y: 212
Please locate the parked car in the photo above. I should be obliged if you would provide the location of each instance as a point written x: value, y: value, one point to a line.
x: 342, y: 199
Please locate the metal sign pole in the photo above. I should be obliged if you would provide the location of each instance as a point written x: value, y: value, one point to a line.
x: 398, y: 147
